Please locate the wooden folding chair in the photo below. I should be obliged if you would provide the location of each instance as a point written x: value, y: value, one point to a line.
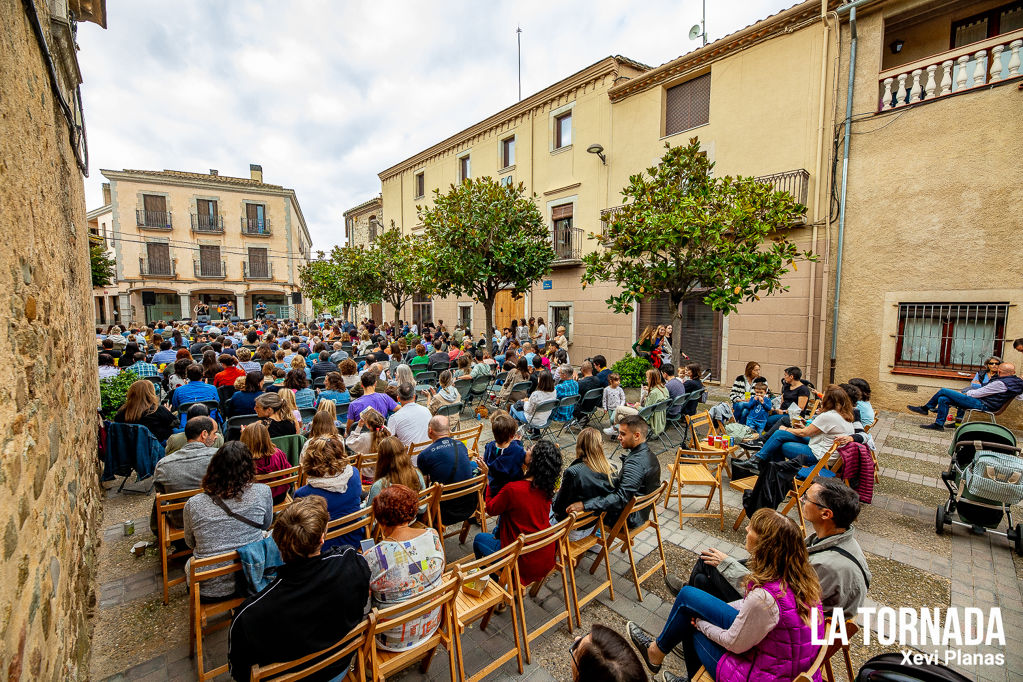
x: 200, y: 613
x: 470, y: 437
x: 450, y: 491
x: 800, y: 486
x: 501, y: 589
x: 742, y: 485
x: 387, y: 663
x: 369, y: 460
x: 353, y: 644
x: 288, y: 477
x: 415, y: 449
x: 166, y: 533
x: 748, y: 483
x: 556, y: 535
x: 622, y: 532
x: 425, y: 520
x: 697, y: 468
x: 360, y: 519
x: 578, y: 548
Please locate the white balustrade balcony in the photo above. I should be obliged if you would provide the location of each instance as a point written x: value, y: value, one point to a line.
x: 971, y: 66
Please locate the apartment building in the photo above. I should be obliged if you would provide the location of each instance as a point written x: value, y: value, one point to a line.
x: 106, y: 302
x: 181, y: 238
x: 362, y: 225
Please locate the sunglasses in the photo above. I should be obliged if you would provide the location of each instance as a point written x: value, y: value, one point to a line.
x: 992, y: 363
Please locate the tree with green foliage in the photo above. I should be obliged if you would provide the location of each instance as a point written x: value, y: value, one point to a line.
x: 348, y: 277
x: 687, y: 235
x: 401, y: 263
x: 102, y: 266
x: 486, y: 237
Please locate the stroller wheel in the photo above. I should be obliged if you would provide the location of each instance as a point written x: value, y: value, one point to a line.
x: 939, y: 520
x: 1018, y: 540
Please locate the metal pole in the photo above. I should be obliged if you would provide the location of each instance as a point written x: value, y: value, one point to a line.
x: 703, y: 23
x: 518, y: 36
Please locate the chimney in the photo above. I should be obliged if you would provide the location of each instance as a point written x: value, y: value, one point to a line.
x: 214, y: 172
x: 256, y: 172
x: 106, y: 194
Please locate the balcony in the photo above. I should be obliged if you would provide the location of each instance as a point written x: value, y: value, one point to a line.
x: 607, y: 216
x: 154, y: 220
x: 209, y: 269
x: 207, y: 224
x: 567, y: 243
x: 979, y: 64
x: 161, y: 268
x: 256, y: 227
x: 257, y: 270
x: 795, y: 182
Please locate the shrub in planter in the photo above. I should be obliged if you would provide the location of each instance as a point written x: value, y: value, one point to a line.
x: 113, y: 392
x: 632, y: 370
x: 412, y: 339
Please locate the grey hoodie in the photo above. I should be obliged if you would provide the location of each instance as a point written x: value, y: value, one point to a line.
x: 842, y: 581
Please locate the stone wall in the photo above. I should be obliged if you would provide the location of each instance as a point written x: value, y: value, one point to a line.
x: 49, y: 502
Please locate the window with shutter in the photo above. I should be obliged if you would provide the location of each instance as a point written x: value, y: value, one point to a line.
x: 209, y: 261
x: 154, y: 211
x: 993, y: 22
x: 701, y: 329
x: 255, y: 219
x: 258, y: 265
x: 158, y: 255
x: 687, y: 105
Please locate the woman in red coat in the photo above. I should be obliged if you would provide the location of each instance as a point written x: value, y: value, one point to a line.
x: 525, y: 507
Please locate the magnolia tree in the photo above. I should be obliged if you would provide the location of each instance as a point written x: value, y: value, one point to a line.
x: 403, y: 270
x: 485, y: 237
x: 687, y: 235
x: 348, y: 277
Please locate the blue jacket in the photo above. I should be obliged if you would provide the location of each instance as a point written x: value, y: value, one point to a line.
x: 194, y: 392
x: 130, y: 446
x: 259, y: 561
x: 756, y: 418
x: 504, y: 465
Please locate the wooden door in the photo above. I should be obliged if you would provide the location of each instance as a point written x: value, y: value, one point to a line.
x: 507, y: 308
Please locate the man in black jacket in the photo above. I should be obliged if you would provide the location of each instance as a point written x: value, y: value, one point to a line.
x: 641, y: 474
x: 324, y: 367
x: 313, y: 603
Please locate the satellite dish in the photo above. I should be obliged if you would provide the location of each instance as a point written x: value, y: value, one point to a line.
x: 694, y: 32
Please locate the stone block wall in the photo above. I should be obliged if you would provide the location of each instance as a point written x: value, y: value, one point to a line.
x: 49, y: 493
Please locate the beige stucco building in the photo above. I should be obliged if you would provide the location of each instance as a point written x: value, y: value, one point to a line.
x: 362, y: 225
x: 182, y: 238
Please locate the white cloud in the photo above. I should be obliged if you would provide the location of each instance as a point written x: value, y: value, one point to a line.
x: 327, y: 94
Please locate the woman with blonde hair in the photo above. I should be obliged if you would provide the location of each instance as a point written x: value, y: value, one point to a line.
x: 275, y: 415
x: 266, y: 456
x: 769, y: 635
x: 394, y: 467
x: 298, y: 362
x: 330, y: 475
x: 653, y: 392
x: 588, y: 476
x: 143, y: 408
x: 288, y: 397
x: 366, y: 436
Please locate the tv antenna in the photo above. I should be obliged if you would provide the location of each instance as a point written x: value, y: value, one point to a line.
x: 518, y: 36
x: 700, y: 29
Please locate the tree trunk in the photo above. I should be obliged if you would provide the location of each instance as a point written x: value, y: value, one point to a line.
x: 676, y: 337
x: 345, y: 309
x: 488, y: 306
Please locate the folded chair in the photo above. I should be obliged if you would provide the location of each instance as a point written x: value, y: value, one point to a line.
x: 353, y: 644
x: 622, y: 533
x: 200, y: 613
x: 578, y: 548
x: 167, y: 534
x: 556, y: 535
x: 697, y: 468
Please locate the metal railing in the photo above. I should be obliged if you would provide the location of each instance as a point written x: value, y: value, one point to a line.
x: 162, y: 268
x: 209, y: 269
x: 567, y: 242
x: 256, y: 227
x: 607, y: 217
x: 257, y: 270
x: 210, y: 224
x: 949, y: 336
x: 155, y: 219
x: 795, y: 182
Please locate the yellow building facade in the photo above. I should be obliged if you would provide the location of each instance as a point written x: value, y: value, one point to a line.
x: 181, y: 239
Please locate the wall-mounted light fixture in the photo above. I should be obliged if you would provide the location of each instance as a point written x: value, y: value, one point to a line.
x: 599, y: 151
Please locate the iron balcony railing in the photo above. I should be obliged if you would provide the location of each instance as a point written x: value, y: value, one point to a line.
x: 567, y: 243
x: 160, y: 220
x: 207, y: 224
x: 256, y: 227
x: 257, y: 270
x: 607, y: 216
x: 159, y: 268
x: 209, y: 269
x: 795, y: 182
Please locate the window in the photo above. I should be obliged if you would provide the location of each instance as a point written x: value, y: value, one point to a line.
x: 420, y: 185
x: 158, y: 261
x: 949, y: 336
x: 507, y: 181
x: 563, y: 232
x: 463, y: 168
x: 206, y: 214
x: 563, y: 130
x: 560, y: 315
x: 701, y: 329
x: 987, y: 24
x: 465, y: 315
x: 258, y: 266
x: 209, y: 261
x: 422, y: 310
x: 372, y: 228
x: 255, y: 219
x: 687, y: 105
x: 154, y: 211
x: 508, y: 152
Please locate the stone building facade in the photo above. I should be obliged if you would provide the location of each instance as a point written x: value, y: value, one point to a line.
x: 362, y: 225
x: 49, y: 389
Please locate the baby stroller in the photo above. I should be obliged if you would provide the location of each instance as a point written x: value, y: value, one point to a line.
x: 985, y: 478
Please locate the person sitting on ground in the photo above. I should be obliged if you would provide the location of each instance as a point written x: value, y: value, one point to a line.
x: 230, y: 512
x: 381, y: 402
x: 603, y: 654
x: 330, y: 475
x: 142, y: 407
x: 831, y: 507
x: 176, y: 441
x: 266, y: 456
x: 195, y: 391
x: 565, y: 387
x: 275, y: 415
x: 334, y: 389
x: 981, y: 378
x: 394, y: 467
x: 320, y: 593
x: 587, y: 477
x: 524, y: 507
x: 406, y: 563
x: 867, y: 416
x: 185, y: 468
x: 504, y: 456
x: 244, y: 401
x: 754, y: 413
x: 411, y: 423
x: 812, y: 441
x: 444, y: 461
x: 742, y: 390
x: 766, y: 636
x: 230, y: 372
x: 990, y: 398
x: 640, y: 475
x: 544, y: 393
x: 447, y: 394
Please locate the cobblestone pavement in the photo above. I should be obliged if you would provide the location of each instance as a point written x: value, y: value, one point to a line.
x: 981, y: 571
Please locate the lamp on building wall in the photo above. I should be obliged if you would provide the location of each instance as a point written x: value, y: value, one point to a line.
x: 896, y: 45
x: 599, y: 151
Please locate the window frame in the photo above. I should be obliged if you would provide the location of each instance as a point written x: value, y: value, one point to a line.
x: 419, y: 185
x: 993, y: 17
x: 552, y: 125
x: 506, y: 144
x: 464, y: 168
x: 559, y: 142
x: 943, y: 366
x: 552, y: 324
x: 463, y: 306
x: 664, y: 106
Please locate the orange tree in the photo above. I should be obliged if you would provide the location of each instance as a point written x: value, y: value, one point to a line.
x: 346, y: 278
x: 402, y: 268
x: 685, y: 234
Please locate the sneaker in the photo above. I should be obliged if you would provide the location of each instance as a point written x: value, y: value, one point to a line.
x: 611, y: 431
x: 932, y: 427
x: 642, y: 641
x: 669, y: 677
x: 674, y: 584
x: 919, y: 410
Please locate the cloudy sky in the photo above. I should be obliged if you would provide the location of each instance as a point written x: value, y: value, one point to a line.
x: 324, y: 95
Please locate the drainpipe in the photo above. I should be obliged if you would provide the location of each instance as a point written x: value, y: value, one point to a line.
x: 851, y: 8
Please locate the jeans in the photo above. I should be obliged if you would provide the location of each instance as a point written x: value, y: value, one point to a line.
x: 485, y: 544
x: 709, y: 579
x: 946, y: 398
x: 696, y: 648
x: 519, y: 415
x: 771, y: 425
x: 740, y: 410
x: 786, y: 445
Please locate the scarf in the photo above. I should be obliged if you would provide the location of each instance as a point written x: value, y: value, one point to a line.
x: 333, y: 484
